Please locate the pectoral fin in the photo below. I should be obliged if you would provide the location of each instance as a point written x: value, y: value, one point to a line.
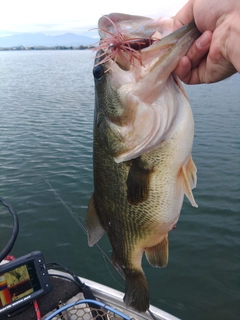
x: 157, y: 256
x: 189, y: 180
x: 94, y: 229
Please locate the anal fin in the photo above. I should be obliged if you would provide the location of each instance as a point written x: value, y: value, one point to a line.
x: 157, y: 256
x: 94, y: 229
x: 189, y: 180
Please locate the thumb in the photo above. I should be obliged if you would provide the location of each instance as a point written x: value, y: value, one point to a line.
x: 184, y: 16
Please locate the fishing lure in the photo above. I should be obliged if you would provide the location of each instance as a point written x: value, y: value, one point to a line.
x: 118, y: 47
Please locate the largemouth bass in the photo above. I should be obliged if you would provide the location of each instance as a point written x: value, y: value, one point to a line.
x: 143, y: 136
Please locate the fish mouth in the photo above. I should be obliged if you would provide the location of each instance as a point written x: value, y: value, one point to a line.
x: 136, y: 68
x: 152, y: 51
x: 171, y: 47
x: 137, y: 48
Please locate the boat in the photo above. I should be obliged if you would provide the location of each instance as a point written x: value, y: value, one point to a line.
x: 89, y: 300
x: 69, y: 297
x: 111, y: 302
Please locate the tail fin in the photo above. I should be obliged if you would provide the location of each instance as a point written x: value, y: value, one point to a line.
x: 136, y: 290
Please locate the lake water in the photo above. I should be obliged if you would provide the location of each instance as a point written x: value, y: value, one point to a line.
x: 46, y: 115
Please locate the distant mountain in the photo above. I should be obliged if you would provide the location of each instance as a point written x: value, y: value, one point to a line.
x: 39, y: 39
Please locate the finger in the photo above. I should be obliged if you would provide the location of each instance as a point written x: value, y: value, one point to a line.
x: 184, y: 16
x: 216, y: 66
x: 210, y: 71
x: 183, y: 69
x: 213, y: 71
x: 200, y: 48
x: 187, y: 69
x: 197, y: 75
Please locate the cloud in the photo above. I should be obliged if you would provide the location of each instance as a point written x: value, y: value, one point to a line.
x: 49, y: 16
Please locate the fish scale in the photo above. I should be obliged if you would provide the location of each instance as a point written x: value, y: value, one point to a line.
x: 143, y: 135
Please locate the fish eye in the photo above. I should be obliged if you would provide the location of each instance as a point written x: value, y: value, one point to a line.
x: 98, y: 72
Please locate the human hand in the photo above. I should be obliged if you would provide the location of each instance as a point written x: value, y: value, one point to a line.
x: 214, y: 56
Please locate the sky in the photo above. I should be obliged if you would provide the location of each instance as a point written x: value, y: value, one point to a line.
x: 54, y: 17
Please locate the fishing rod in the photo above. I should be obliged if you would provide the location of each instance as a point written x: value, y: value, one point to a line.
x: 76, y: 218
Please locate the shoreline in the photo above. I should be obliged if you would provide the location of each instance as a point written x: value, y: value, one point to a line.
x: 28, y: 48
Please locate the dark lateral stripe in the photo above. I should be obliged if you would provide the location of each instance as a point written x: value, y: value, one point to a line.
x: 138, y: 183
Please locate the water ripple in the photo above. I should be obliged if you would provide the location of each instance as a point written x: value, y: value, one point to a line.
x: 46, y: 107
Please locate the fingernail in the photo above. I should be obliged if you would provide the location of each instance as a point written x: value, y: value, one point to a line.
x: 203, y: 41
